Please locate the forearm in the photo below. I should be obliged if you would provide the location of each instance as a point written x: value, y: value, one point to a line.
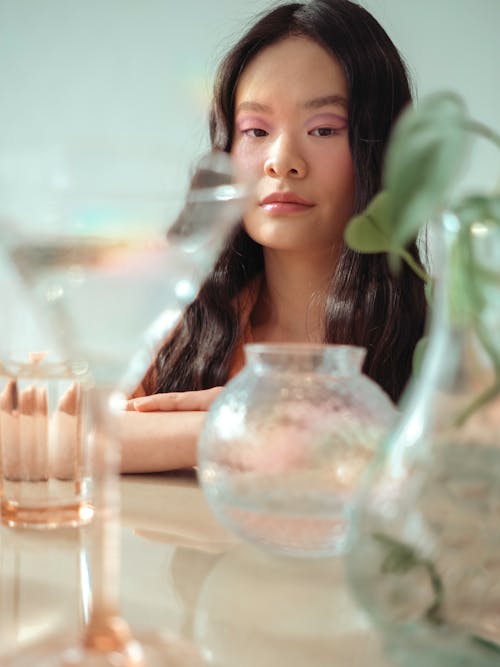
x: 155, y: 441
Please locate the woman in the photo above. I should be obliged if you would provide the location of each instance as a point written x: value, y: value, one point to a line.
x: 306, y: 101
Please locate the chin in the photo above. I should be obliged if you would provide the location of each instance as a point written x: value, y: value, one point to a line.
x: 279, y: 232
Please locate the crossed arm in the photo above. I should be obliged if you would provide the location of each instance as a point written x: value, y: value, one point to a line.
x: 157, y: 432
x: 160, y: 432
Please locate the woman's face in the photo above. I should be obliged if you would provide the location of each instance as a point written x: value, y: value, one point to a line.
x: 291, y: 132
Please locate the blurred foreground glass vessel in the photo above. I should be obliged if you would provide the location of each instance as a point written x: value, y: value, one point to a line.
x: 93, y: 249
x: 424, y: 557
x: 284, y: 445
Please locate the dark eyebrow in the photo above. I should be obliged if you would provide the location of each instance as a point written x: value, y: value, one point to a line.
x: 314, y: 103
x: 253, y: 106
x: 326, y: 100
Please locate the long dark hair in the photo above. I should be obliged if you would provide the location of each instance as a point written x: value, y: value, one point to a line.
x: 367, y: 304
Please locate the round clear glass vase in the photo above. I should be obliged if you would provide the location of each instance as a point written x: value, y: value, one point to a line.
x: 284, y: 445
x: 424, y: 554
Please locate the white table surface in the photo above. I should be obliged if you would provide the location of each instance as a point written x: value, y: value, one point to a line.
x: 182, y: 573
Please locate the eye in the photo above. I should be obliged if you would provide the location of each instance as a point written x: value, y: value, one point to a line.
x: 254, y: 132
x: 324, y: 132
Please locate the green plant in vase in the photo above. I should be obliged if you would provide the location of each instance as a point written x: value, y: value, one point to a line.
x: 425, y: 556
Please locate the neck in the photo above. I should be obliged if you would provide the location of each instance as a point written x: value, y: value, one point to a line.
x: 291, y: 303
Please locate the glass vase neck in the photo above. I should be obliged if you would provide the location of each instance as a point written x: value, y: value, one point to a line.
x: 467, y: 275
x: 343, y: 360
x: 460, y: 372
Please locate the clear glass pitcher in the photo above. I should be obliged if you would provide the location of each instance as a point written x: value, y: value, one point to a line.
x: 425, y: 557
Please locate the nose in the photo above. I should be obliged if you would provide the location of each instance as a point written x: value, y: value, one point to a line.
x: 285, y: 160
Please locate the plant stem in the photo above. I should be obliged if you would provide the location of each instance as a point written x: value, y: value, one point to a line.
x: 415, y: 266
x: 483, y: 130
x: 481, y: 400
x: 474, y: 297
x: 433, y: 614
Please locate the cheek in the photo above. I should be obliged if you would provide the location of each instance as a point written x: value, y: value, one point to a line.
x: 336, y: 176
x: 247, y: 159
x: 336, y: 166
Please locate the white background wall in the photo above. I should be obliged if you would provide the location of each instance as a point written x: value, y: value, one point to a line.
x: 138, y: 72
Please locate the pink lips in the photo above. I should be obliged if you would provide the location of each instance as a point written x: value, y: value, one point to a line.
x: 284, y: 202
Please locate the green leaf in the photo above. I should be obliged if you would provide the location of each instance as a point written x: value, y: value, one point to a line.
x: 371, y: 231
x: 427, y: 148
x: 399, y: 557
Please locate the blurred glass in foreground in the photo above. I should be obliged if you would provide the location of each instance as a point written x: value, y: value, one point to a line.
x: 87, y: 234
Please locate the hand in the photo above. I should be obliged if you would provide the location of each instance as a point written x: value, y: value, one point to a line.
x: 189, y: 401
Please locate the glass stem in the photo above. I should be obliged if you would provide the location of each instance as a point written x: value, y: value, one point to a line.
x: 106, y: 631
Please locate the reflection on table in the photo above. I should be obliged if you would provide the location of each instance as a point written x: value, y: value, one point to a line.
x: 183, y: 574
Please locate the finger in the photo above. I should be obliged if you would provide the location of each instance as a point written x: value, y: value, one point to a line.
x: 69, y: 400
x: 27, y: 401
x: 9, y: 397
x: 177, y: 401
x: 158, y: 403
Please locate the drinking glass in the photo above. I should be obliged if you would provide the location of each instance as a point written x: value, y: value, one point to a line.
x: 44, y: 474
x: 87, y: 235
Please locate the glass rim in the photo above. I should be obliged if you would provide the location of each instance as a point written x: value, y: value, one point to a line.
x: 286, y: 348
